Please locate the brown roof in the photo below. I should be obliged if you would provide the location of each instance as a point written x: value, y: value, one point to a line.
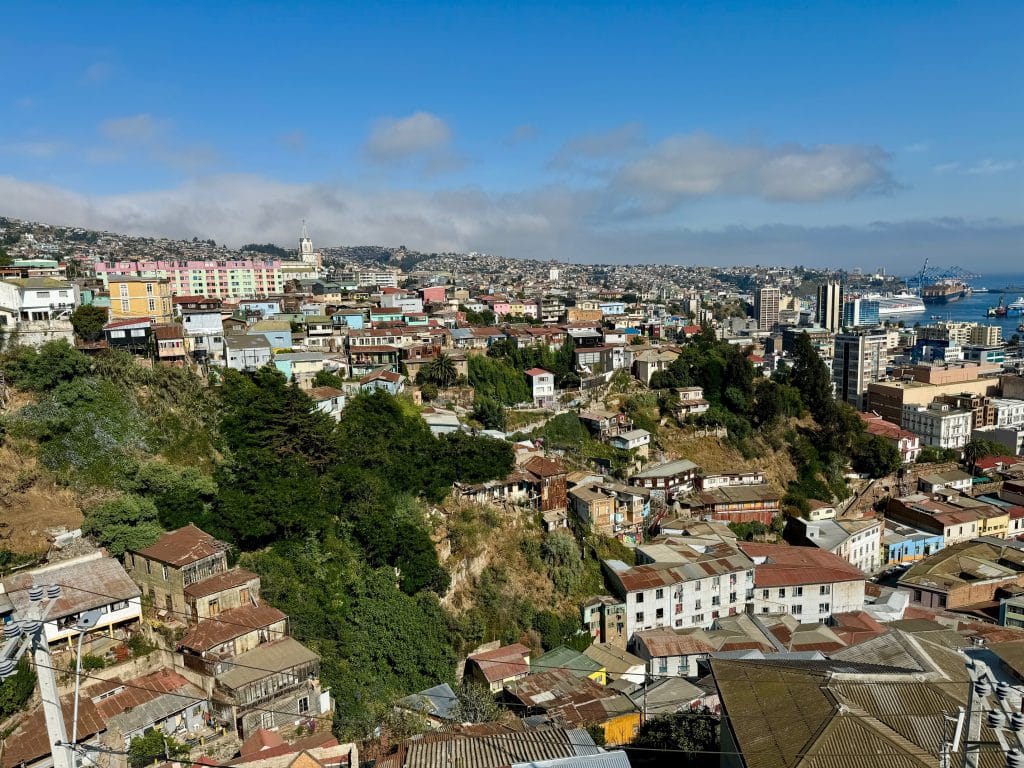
x: 219, y: 582
x: 543, y: 467
x: 29, y: 741
x: 136, y: 692
x: 228, y: 625
x: 785, y: 566
x: 325, y: 393
x: 168, y: 331
x: 183, y: 546
x: 503, y: 663
x: 101, y: 581
x: 671, y: 642
x: 390, y: 376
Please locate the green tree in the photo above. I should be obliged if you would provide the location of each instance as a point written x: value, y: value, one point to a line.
x: 130, y: 522
x: 876, y: 456
x: 476, y: 704
x: 811, y: 376
x: 560, y: 553
x: 16, y: 690
x: 489, y: 413
x: 326, y: 378
x: 88, y: 321
x: 979, y: 449
x: 441, y: 371
x: 154, y: 746
x: 686, y: 734
x: 41, y: 370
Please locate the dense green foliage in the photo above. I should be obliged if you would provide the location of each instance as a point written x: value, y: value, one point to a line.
x: 128, y: 522
x: 685, y: 734
x: 88, y: 321
x: 56, y: 362
x: 498, y: 380
x: 561, y: 361
x: 16, y: 690
x: 154, y: 746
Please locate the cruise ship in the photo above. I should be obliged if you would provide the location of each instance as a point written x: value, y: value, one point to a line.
x: 891, y: 305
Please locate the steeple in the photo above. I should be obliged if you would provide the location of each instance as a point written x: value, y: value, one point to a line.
x: 306, y: 253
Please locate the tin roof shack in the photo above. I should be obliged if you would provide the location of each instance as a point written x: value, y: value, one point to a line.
x: 967, y: 576
x: 577, y: 702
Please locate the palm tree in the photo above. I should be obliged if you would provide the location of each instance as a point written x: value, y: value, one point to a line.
x: 441, y: 371
x: 979, y: 449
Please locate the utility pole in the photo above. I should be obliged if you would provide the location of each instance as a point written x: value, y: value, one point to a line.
x: 28, y: 631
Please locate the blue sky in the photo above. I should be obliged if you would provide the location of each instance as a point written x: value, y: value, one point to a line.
x: 868, y: 134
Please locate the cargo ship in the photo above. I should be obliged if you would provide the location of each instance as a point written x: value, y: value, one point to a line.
x: 943, y: 292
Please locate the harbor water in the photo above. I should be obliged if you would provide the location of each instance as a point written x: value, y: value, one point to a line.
x: 973, y: 308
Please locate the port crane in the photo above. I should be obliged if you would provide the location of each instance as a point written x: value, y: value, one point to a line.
x: 928, y: 274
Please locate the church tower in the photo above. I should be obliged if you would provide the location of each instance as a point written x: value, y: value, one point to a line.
x: 306, y: 253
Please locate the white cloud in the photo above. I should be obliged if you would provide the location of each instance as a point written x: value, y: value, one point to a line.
x: 612, y: 144
x: 394, y: 138
x: 548, y: 222
x: 988, y: 166
x: 945, y: 167
x: 698, y: 165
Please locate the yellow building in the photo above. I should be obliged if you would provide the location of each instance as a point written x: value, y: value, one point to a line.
x: 140, y: 297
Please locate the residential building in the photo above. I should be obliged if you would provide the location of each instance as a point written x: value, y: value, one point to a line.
x: 214, y: 279
x: 858, y: 542
x: 573, y: 661
x: 388, y: 381
x: 938, y: 425
x: 646, y: 362
x: 638, y: 440
x: 204, y: 335
x: 132, y: 297
x: 691, y: 402
x: 328, y: 400
x: 300, y: 367
x: 906, y: 544
x: 278, y: 333
x: 766, y: 307
x: 1007, y: 412
x: 542, y: 386
x: 985, y: 335
x: 859, y: 359
x: 740, y: 503
x: 667, y: 479
x: 174, y: 562
x: 808, y: 583
x: 955, y: 479
x: 90, y: 582
x: 548, y: 480
x: 955, y: 518
x: 134, y: 335
x: 828, y: 312
x: 170, y: 343
x: 617, y: 663
x: 965, y: 574
x: 922, y: 384
x: 35, y: 310
x: 604, y: 618
x: 905, y: 441
x: 1011, y: 438
x: 983, y: 414
x: 499, y: 666
x: 243, y: 352
x: 690, y: 589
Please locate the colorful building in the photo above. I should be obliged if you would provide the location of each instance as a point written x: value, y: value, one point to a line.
x: 134, y: 297
x: 213, y: 279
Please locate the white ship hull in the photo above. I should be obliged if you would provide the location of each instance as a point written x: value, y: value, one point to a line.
x: 902, y: 304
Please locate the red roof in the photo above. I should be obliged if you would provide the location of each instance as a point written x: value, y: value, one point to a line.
x: 503, y: 663
x: 992, y: 462
x: 785, y: 566
x: 136, y: 692
x: 538, y: 372
x: 389, y: 376
x: 126, y: 322
x: 230, y: 624
x: 188, y: 299
x: 689, y: 330
x: 543, y: 467
x: 30, y: 741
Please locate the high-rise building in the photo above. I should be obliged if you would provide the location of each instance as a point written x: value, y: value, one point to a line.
x: 766, y: 307
x: 860, y: 313
x: 829, y: 311
x: 860, y: 358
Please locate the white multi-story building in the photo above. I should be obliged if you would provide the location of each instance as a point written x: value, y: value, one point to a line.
x: 766, y: 307
x: 938, y: 425
x: 858, y: 542
x: 395, y: 298
x: 204, y: 334
x: 1008, y: 412
x: 35, y: 310
x: 828, y: 312
x: 543, y: 385
x: 808, y: 583
x: 688, y: 588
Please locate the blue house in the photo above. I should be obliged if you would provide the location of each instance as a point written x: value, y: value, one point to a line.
x: 354, y: 319
x: 278, y: 333
x: 389, y: 381
x: 905, y: 544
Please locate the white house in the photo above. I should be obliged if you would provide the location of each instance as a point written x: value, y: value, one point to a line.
x: 395, y: 298
x: 689, y: 589
x: 542, y: 384
x: 88, y: 582
x: 637, y: 440
x: 938, y: 424
x: 204, y: 334
x: 858, y: 542
x: 808, y: 583
x: 35, y: 310
x: 328, y: 400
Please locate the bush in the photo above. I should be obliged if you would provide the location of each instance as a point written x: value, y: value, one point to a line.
x: 130, y: 522
x: 55, y: 362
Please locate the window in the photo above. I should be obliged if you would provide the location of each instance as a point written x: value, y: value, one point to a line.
x: 764, y: 609
x: 715, y: 600
x: 149, y: 289
x: 149, y: 566
x: 696, y: 605
x: 304, y: 705
x: 117, y: 334
x: 124, y: 290
x: 796, y: 610
x: 824, y: 607
x: 139, y: 332
x: 798, y: 591
x: 824, y: 589
x: 917, y: 595
x: 699, y: 618
x: 659, y: 613
x: 732, y: 597
x: 782, y: 592
x: 125, y: 306
x: 640, y: 597
x: 764, y: 594
x: 152, y: 305
x: 659, y: 593
x: 163, y: 572
x: 640, y: 617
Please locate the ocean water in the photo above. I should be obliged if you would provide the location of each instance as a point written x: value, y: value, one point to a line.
x: 972, y: 308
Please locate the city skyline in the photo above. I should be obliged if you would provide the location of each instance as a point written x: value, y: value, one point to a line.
x: 871, y: 136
